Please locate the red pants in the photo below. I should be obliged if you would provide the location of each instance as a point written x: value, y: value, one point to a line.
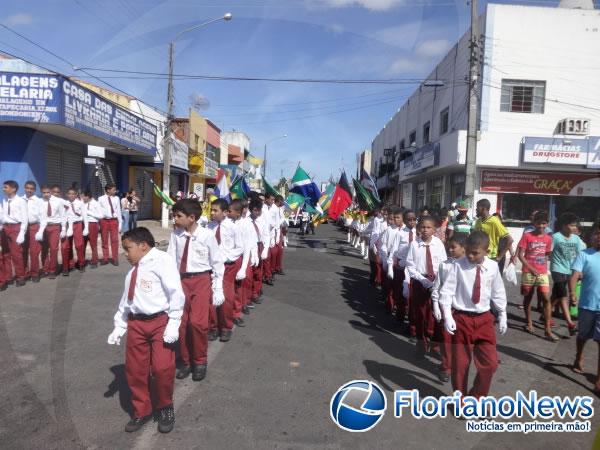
x: 387, y: 286
x: 375, y: 263
x: 92, y: 239
x: 226, y: 312
x: 423, y: 315
x: 50, y: 247
x: 411, y: 311
x: 66, y: 248
x: 475, y: 337
x: 110, y: 227
x: 273, y: 256
x: 32, y: 250
x: 257, y: 274
x: 146, y: 353
x: 444, y: 340
x: 247, y: 284
x: 279, y: 257
x: 397, y: 286
x: 12, y: 252
x: 267, y: 268
x: 193, y: 331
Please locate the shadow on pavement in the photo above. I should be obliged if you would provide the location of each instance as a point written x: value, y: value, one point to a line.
x: 119, y: 384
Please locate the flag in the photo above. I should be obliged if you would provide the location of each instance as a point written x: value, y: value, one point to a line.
x: 309, y: 209
x: 295, y: 200
x: 342, y: 197
x: 161, y: 195
x: 268, y: 188
x: 239, y: 188
x: 222, y: 188
x: 366, y: 201
x: 325, y: 200
x: 303, y: 185
x: 369, y: 184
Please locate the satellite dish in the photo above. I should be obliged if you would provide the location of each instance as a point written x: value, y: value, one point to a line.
x: 199, y: 102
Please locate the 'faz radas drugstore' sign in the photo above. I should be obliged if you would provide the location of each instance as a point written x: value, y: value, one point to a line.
x: 54, y: 99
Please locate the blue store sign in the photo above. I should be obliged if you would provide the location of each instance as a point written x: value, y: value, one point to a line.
x: 424, y: 157
x: 54, y: 99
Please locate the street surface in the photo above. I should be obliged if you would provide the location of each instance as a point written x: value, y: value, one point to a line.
x: 319, y: 327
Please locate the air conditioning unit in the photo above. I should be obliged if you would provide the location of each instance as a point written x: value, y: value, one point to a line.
x: 575, y: 126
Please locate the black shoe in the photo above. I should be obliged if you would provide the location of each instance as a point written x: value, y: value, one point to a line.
x: 20, y: 283
x: 93, y: 266
x: 269, y: 282
x: 257, y: 300
x: 166, y: 419
x: 213, y: 335
x: 81, y: 268
x: 183, y: 372
x: 115, y: 263
x: 137, y: 423
x: 3, y: 287
x: 239, y: 322
x: 65, y: 273
x: 51, y: 276
x: 246, y: 310
x: 35, y: 279
x: 226, y: 335
x: 443, y: 376
x: 199, y: 373
x: 11, y: 282
x: 280, y: 272
x: 103, y: 263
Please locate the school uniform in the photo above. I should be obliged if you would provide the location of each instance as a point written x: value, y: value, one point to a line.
x: 152, y: 298
x: 397, y: 258
x: 13, y: 237
x: 376, y: 243
x: 262, y: 237
x: 471, y: 290
x: 53, y: 227
x: 280, y: 228
x: 275, y: 222
x: 422, y: 263
x: 200, y: 264
x: 270, y: 226
x: 76, y: 222
x: 440, y: 335
x: 110, y: 224
x: 251, y: 247
x: 93, y: 214
x: 387, y: 238
x: 32, y: 247
x: 3, y: 279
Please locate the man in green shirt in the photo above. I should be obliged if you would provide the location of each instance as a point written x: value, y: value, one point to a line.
x: 500, y: 238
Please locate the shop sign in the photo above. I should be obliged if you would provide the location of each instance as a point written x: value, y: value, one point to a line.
x: 199, y: 190
x: 555, y: 150
x: 593, y: 159
x: 530, y: 182
x: 30, y: 98
x: 211, y: 167
x: 179, y: 155
x: 421, y: 159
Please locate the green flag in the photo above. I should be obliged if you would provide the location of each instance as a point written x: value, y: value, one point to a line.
x: 294, y: 200
x: 161, y: 195
x: 364, y: 198
x: 268, y: 188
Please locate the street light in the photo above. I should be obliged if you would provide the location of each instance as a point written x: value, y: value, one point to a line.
x: 265, y: 155
x: 167, y: 140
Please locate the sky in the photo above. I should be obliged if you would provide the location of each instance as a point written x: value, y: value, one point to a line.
x: 327, y: 125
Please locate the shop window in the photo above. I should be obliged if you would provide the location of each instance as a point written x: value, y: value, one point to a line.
x: 518, y: 207
x: 426, y: 129
x: 586, y: 208
x: 457, y: 187
x: 444, y: 121
x: 420, y: 195
x: 436, y: 186
x: 522, y: 96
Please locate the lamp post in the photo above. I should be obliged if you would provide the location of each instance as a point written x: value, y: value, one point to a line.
x: 167, y: 147
x: 265, y: 156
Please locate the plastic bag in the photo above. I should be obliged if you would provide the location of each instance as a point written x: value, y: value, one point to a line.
x: 510, y: 274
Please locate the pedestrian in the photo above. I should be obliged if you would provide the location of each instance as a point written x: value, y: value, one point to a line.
x: 422, y: 262
x: 124, y: 226
x: 235, y: 213
x: 441, y: 225
x: 466, y: 299
x: 535, y: 249
x: 587, y: 268
x: 565, y: 247
x: 150, y: 313
x: 386, y: 251
x: 13, y: 232
x: 32, y: 247
x: 262, y: 239
x: 53, y: 228
x: 133, y: 205
x: 76, y: 223
x: 267, y: 213
x: 456, y: 250
x: 373, y: 228
x: 110, y: 224
x: 461, y: 224
x: 200, y: 263
x: 94, y: 214
x: 500, y: 239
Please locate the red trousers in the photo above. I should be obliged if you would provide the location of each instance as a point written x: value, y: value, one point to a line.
x: 375, y: 264
x: 146, y: 353
x: 66, y: 248
x: 267, y: 268
x: 50, y: 247
x: 226, y: 312
x: 257, y: 274
x: 279, y: 257
x: 32, y: 250
x: 475, y: 337
x: 397, y: 286
x: 423, y: 315
x: 92, y: 239
x: 387, y: 286
x: 247, y: 284
x: 12, y: 252
x: 193, y: 331
x: 274, y: 256
x: 109, y: 229
x: 444, y: 340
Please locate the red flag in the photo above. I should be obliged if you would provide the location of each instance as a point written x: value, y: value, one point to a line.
x: 342, y: 198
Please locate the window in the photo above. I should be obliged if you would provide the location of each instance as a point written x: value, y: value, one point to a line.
x: 435, y: 192
x: 457, y: 187
x: 401, y: 145
x: 420, y: 195
x: 518, y: 207
x: 412, y: 138
x: 522, y: 96
x: 196, y: 139
x: 426, y: 128
x: 444, y: 121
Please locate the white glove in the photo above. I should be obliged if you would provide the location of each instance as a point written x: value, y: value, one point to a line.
x: 406, y: 289
x: 218, y: 297
x: 390, y: 271
x: 502, y: 322
x: 63, y: 234
x: 114, y: 338
x: 254, y: 257
x: 20, y: 238
x: 39, y: 236
x: 171, y: 333
x: 374, y: 249
x: 265, y: 253
x: 449, y: 323
x: 437, y: 312
x: 86, y: 232
x: 241, y: 275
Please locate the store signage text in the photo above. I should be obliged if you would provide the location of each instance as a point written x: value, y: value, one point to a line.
x: 550, y: 150
x: 531, y: 182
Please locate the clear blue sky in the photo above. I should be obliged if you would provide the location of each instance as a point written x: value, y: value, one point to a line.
x: 327, y: 125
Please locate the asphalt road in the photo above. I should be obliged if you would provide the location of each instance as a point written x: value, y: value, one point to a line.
x: 319, y: 327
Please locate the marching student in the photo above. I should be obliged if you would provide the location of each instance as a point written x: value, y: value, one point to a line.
x: 53, y: 228
x: 230, y: 242
x: 32, y: 247
x: 150, y: 313
x: 422, y: 262
x: 374, y: 229
x: 251, y: 243
x: 279, y: 239
x: 14, y: 210
x: 76, y: 223
x: 235, y: 214
x: 466, y: 298
x: 270, y: 223
x: 110, y: 224
x: 93, y: 214
x: 456, y: 250
x: 387, y: 252
x: 200, y: 262
x: 262, y: 239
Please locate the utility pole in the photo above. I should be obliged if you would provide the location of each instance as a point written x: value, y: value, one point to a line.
x: 167, y: 141
x: 471, y: 156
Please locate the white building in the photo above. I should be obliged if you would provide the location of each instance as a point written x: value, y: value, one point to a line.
x: 539, y: 119
x: 235, y: 145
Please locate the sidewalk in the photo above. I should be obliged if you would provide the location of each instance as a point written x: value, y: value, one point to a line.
x: 161, y: 235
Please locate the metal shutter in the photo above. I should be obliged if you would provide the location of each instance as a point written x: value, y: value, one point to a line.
x: 72, y: 168
x: 145, y: 192
x: 53, y: 166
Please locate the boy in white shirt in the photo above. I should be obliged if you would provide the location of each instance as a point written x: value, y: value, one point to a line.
x: 76, y: 223
x: 387, y: 238
x: 53, y: 228
x: 13, y: 232
x: 262, y: 239
x: 150, y: 313
x: 200, y: 264
x: 235, y: 214
x: 466, y: 299
x: 110, y: 224
x: 32, y: 247
x: 93, y: 213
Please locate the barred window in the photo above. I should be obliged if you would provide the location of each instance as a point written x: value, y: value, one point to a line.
x: 524, y: 96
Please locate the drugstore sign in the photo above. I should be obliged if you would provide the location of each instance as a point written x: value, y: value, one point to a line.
x: 568, y: 151
x: 531, y: 182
